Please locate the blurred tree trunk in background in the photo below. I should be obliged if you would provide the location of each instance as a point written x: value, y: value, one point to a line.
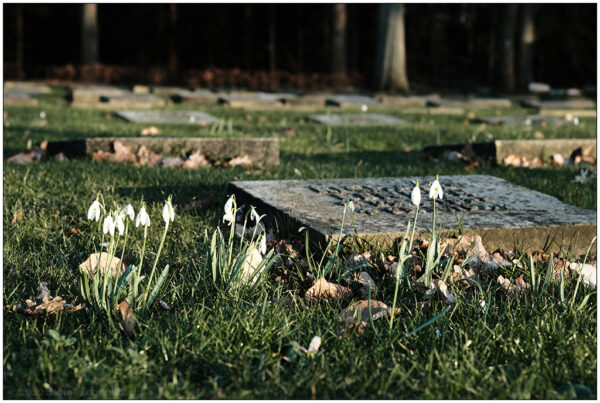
x: 391, y: 54
x: 272, y: 53
x: 173, y: 59
x: 89, y: 34
x: 19, y: 55
x: 338, y: 54
x: 248, y: 36
x: 506, y: 47
x: 526, y: 46
x: 299, y: 40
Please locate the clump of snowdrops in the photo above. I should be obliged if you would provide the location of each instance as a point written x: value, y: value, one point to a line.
x: 238, y: 265
x: 104, y: 285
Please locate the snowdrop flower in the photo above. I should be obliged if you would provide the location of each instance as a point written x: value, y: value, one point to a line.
x: 263, y: 244
x: 229, y: 216
x: 108, y: 226
x: 129, y: 212
x: 435, y: 191
x: 94, y: 211
x: 42, y: 115
x: 364, y: 108
x: 142, y: 218
x: 254, y: 215
x: 582, y: 177
x: 301, y: 229
x: 119, y: 224
x: 415, y: 196
x: 168, y: 212
x: 349, y: 205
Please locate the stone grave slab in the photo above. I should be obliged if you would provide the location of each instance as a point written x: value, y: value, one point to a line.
x: 313, y: 98
x: 443, y: 110
x: 351, y: 101
x: 195, y: 97
x: 84, y: 94
x: 130, y: 100
x: 242, y: 99
x: 471, y: 103
x: 18, y: 97
x: 168, y: 117
x: 371, y: 119
x: 491, y: 207
x: 567, y: 104
x: 409, y: 100
x: 259, y: 150
x: 496, y: 151
x: 524, y: 120
x: 31, y: 87
x: 566, y: 113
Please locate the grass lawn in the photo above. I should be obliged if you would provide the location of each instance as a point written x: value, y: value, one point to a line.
x: 217, y: 346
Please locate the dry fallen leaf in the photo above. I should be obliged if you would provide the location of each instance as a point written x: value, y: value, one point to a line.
x: 150, y: 131
x: 242, y: 161
x: 45, y: 304
x: 360, y: 312
x: 538, y: 135
x: 494, y: 262
x: 323, y: 289
x: 252, y: 261
x: 146, y: 157
x: 17, y: 216
x: 558, y: 160
x: 196, y: 160
x: 129, y: 319
x: 469, y: 245
x: 443, y: 289
x: 512, y: 160
x: 366, y: 282
x: 171, y: 162
x: 509, y: 289
x: 91, y: 263
x: 22, y: 158
x: 122, y: 153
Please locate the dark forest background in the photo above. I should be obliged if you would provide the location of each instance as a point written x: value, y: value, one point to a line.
x: 448, y: 46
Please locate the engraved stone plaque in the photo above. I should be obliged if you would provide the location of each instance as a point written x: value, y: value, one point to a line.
x: 373, y: 119
x: 168, y: 117
x: 501, y: 212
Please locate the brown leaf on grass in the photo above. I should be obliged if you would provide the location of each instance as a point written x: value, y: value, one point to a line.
x: 150, y: 131
x: 101, y: 155
x: 241, y: 161
x: 201, y: 204
x: 147, y: 158
x: 361, y: 312
x: 366, y: 282
x: 538, y: 135
x: 171, y: 162
x: 558, y: 160
x: 196, y: 160
x: 122, y: 153
x: 467, y: 245
x: 494, y: 262
x: 22, y: 158
x: 45, y: 304
x: 72, y: 231
x: 251, y: 263
x: 442, y: 288
x: 322, y: 289
x: 17, y: 216
x: 511, y: 290
x: 512, y: 160
x: 129, y: 319
x: 460, y: 273
x: 91, y: 263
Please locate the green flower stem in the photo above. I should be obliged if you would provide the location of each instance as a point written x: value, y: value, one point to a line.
x: 162, y: 242
x: 137, y: 272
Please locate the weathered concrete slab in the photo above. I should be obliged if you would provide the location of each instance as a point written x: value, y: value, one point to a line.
x: 130, y: 100
x: 17, y: 97
x: 168, y: 117
x: 196, y: 97
x: 259, y: 150
x: 472, y: 103
x: 566, y: 113
x: 242, y: 99
x: 371, y: 119
x: 496, y: 151
x: 499, y: 211
x: 408, y: 100
x: 313, y: 98
x: 351, y: 100
x: 567, y: 104
x: 31, y: 87
x: 92, y: 93
x: 524, y: 120
x: 442, y: 110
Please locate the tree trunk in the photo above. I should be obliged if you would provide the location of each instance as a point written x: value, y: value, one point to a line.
x: 391, y: 55
x: 506, y: 47
x: 526, y: 46
x: 19, y: 55
x: 89, y: 34
x: 272, y: 38
x: 248, y: 36
x: 173, y: 59
x: 338, y: 62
